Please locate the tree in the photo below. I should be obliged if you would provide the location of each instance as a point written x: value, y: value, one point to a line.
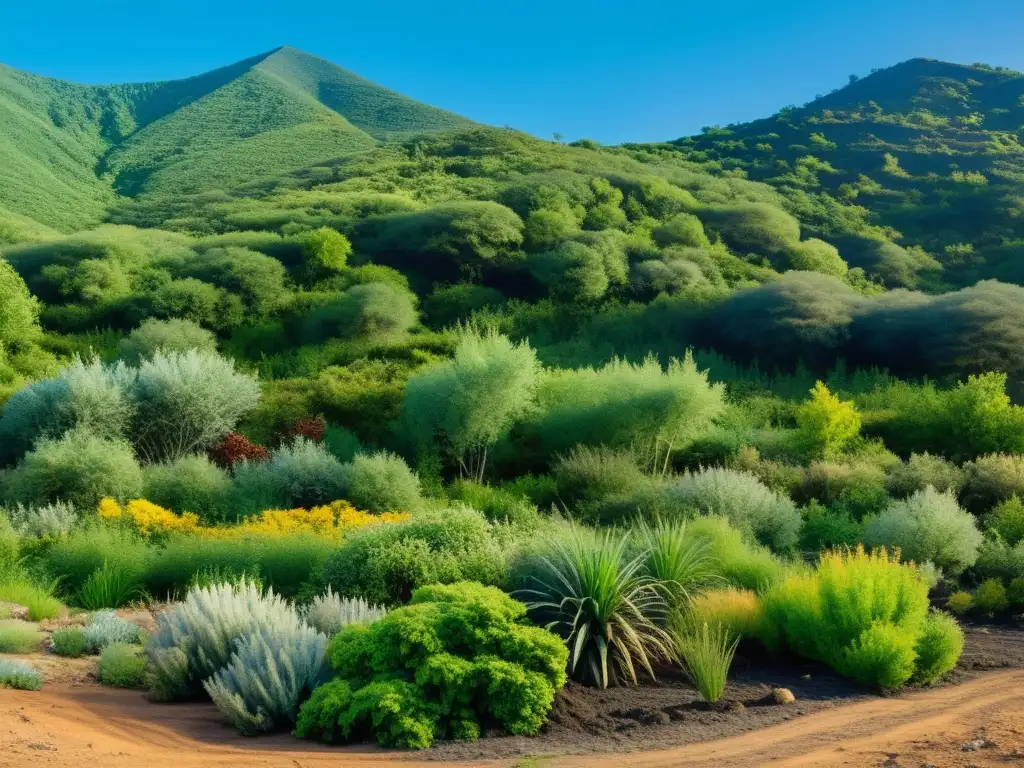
x: 827, y: 424
x: 472, y: 400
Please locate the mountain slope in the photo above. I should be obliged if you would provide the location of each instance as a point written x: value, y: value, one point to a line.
x: 67, y: 150
x: 933, y: 150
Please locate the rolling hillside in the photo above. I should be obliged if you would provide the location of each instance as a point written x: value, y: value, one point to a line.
x: 67, y: 150
x: 932, y: 150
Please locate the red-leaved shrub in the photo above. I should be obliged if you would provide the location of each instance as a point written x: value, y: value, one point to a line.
x: 234, y: 448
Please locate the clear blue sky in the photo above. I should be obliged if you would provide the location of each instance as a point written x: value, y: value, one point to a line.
x: 611, y: 71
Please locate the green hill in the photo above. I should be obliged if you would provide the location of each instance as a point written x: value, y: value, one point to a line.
x: 931, y: 150
x: 67, y: 150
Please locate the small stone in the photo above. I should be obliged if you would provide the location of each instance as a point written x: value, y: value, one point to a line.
x: 783, y: 696
x: 734, y: 706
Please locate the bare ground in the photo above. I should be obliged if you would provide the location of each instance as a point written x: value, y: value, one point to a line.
x: 979, y: 721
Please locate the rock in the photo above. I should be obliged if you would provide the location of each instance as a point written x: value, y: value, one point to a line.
x: 734, y: 706
x: 783, y: 696
x: 13, y: 611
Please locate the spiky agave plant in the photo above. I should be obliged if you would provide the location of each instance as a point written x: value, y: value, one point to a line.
x: 594, y: 592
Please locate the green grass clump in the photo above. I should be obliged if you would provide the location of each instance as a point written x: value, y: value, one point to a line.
x: 39, y: 601
x: 708, y: 653
x: 19, y: 636
x: 110, y: 586
x: 68, y: 642
x: 19, y: 675
x: 122, y: 666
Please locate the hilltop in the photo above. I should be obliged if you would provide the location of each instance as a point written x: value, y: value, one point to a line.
x: 67, y: 150
x: 931, y: 150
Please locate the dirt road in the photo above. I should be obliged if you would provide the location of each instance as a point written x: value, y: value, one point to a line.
x: 103, y: 728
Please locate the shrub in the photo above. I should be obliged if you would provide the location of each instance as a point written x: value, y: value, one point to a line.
x: 300, y: 474
x: 68, y: 642
x: 708, y: 653
x: 826, y: 528
x: 499, y: 505
x: 990, y: 597
x: 938, y: 648
x: 676, y: 559
x: 19, y: 636
x: 827, y: 424
x: 739, y: 561
x: 862, y: 614
x: 384, y: 564
x: 110, y: 586
x: 928, y: 526
x: 1015, y: 592
x: 234, y: 448
x: 282, y: 562
x: 749, y: 505
x: 197, y: 637
x: 190, y: 484
x: 381, y: 482
x: 74, y: 559
x: 48, y: 521
x: 990, y: 480
x: 79, y: 468
x: 19, y: 675
x: 273, y: 671
x: 122, y: 666
x: 590, y: 589
x: 329, y: 613
x: 999, y: 560
x: 173, y: 335
x: 593, y: 473
x: 739, y: 611
x: 1007, y: 519
x: 38, y: 599
x: 187, y: 401
x: 455, y: 661
x: 960, y: 603
x: 922, y: 470
x: 106, y: 627
x: 377, y: 312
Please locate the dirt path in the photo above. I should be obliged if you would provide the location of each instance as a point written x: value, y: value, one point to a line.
x: 88, y: 726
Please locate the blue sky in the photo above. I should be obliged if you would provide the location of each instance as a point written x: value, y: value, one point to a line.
x: 611, y: 71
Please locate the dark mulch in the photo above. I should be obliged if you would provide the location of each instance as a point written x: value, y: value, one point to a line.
x: 669, y: 713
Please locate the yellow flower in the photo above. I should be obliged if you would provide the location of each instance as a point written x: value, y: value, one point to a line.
x: 108, y: 509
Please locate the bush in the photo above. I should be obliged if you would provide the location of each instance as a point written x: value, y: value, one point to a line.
x: 592, y: 590
x: 376, y: 312
x: 80, y: 469
x: 990, y: 480
x: 922, y: 470
x: 234, y: 448
x: 38, y: 599
x: 172, y: 335
x: 300, y: 474
x: 106, y: 627
x: 738, y: 611
x: 938, y: 648
x: 197, y: 637
x: 960, y: 603
x: 381, y: 482
x: 827, y: 425
x: 19, y: 675
x: 590, y: 474
x: 739, y: 561
x: 453, y: 663
x: 1015, y: 592
x: 190, y: 484
x: 752, y: 507
x: 49, y: 521
x: 1007, y: 519
x: 928, y: 526
x: 676, y: 559
x: 708, y: 653
x: 862, y: 614
x: 990, y: 597
x: 273, y: 671
x: 283, y: 563
x: 384, y: 564
x: 826, y: 528
x: 187, y: 401
x: 122, y: 666
x: 68, y: 642
x: 110, y: 586
x: 329, y: 613
x: 997, y: 559
x: 19, y: 636
x: 74, y: 559
x: 499, y: 505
